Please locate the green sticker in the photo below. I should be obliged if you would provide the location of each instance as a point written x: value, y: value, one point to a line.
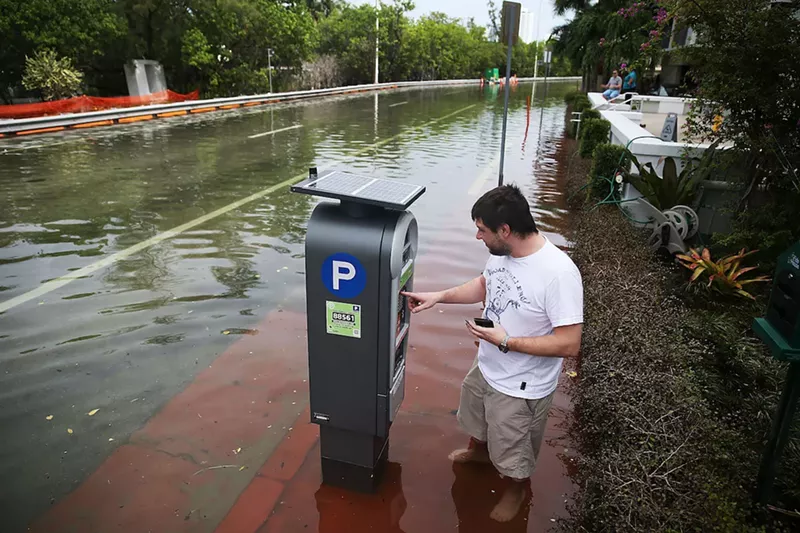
x: 406, y: 275
x: 343, y: 319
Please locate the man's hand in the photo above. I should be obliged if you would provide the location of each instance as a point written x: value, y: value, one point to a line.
x: 493, y: 335
x: 419, y: 301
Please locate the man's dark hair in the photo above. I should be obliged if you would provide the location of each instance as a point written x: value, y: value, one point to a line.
x: 505, y: 205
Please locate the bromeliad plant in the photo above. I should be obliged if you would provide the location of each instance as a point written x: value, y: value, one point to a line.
x: 674, y: 188
x: 725, y: 276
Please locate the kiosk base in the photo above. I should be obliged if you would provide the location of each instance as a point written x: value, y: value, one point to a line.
x: 352, y: 461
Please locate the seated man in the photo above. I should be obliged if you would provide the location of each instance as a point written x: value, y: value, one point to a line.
x: 613, y: 87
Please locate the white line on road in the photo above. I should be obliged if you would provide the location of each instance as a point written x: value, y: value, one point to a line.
x: 274, y: 131
x: 398, y: 103
x: 57, y: 283
x: 488, y: 170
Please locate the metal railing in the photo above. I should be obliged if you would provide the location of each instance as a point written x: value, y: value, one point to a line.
x: 54, y: 123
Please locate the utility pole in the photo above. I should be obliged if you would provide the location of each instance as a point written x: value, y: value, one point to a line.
x: 377, y: 27
x: 269, y: 67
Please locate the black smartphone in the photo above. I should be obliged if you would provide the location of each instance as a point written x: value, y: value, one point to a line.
x: 484, y: 322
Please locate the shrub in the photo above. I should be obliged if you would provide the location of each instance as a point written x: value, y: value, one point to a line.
x: 581, y: 102
x: 607, y: 160
x: 771, y: 228
x: 55, y: 77
x: 593, y: 132
x: 578, y: 102
x: 590, y: 113
x: 569, y: 96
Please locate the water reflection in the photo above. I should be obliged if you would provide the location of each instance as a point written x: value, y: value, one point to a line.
x: 339, y: 512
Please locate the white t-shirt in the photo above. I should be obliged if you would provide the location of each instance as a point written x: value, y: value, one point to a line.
x: 529, y: 296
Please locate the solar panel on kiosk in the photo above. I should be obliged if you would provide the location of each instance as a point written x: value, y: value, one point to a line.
x: 390, y: 194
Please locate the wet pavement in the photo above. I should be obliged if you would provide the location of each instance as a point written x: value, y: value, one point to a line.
x: 192, y: 349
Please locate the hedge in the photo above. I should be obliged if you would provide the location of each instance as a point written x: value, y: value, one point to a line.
x: 594, y: 131
x: 606, y: 161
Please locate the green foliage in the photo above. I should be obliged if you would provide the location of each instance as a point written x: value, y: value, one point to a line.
x: 608, y: 160
x: 673, y: 189
x: 569, y: 96
x: 590, y: 113
x: 758, y: 100
x: 83, y: 30
x: 771, y: 228
x: 608, y: 33
x: 581, y: 102
x: 54, y: 77
x: 220, y: 46
x: 725, y: 276
x: 594, y: 131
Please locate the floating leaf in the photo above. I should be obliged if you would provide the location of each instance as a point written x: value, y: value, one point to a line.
x: 111, y: 439
x: 69, y: 430
x: 572, y: 373
x: 92, y: 412
x: 49, y: 417
x: 242, y: 468
x: 226, y: 332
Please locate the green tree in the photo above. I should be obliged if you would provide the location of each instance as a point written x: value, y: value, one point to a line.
x: 349, y: 35
x: 746, y: 65
x: 605, y: 34
x: 82, y: 30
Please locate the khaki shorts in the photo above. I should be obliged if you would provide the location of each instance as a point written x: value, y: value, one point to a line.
x: 513, y: 427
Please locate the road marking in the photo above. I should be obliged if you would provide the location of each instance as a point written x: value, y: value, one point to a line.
x: 398, y: 103
x: 57, y: 283
x: 275, y: 131
x: 488, y: 170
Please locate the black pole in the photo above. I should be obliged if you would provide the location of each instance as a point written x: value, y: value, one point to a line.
x: 505, y: 106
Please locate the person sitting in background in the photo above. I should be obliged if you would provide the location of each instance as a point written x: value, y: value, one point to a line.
x: 613, y: 87
x: 629, y: 85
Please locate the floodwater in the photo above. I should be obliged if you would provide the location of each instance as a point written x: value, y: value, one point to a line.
x: 87, y: 360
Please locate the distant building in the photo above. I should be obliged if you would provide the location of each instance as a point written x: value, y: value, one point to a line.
x: 527, y: 26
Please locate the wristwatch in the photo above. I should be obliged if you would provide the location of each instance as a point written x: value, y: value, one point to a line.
x: 504, y: 345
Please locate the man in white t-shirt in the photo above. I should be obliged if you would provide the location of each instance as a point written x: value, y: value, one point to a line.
x: 533, y: 294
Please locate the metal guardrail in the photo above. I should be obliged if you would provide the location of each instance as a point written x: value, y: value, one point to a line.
x: 108, y: 117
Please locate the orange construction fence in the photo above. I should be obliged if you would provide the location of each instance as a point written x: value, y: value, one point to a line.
x: 83, y: 104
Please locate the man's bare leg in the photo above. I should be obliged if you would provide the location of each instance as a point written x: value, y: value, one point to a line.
x: 477, y: 452
x: 511, y: 501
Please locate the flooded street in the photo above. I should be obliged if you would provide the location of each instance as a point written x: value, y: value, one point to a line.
x: 96, y: 337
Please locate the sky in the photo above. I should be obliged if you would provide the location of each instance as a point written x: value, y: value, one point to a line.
x: 464, y: 9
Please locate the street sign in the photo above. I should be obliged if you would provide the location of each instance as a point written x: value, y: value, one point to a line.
x: 512, y: 12
x: 669, y: 132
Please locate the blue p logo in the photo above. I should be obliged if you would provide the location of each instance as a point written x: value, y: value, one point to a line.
x: 343, y: 275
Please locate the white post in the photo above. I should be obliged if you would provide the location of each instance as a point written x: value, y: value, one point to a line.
x: 269, y: 67
x: 536, y: 40
x: 377, y: 27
